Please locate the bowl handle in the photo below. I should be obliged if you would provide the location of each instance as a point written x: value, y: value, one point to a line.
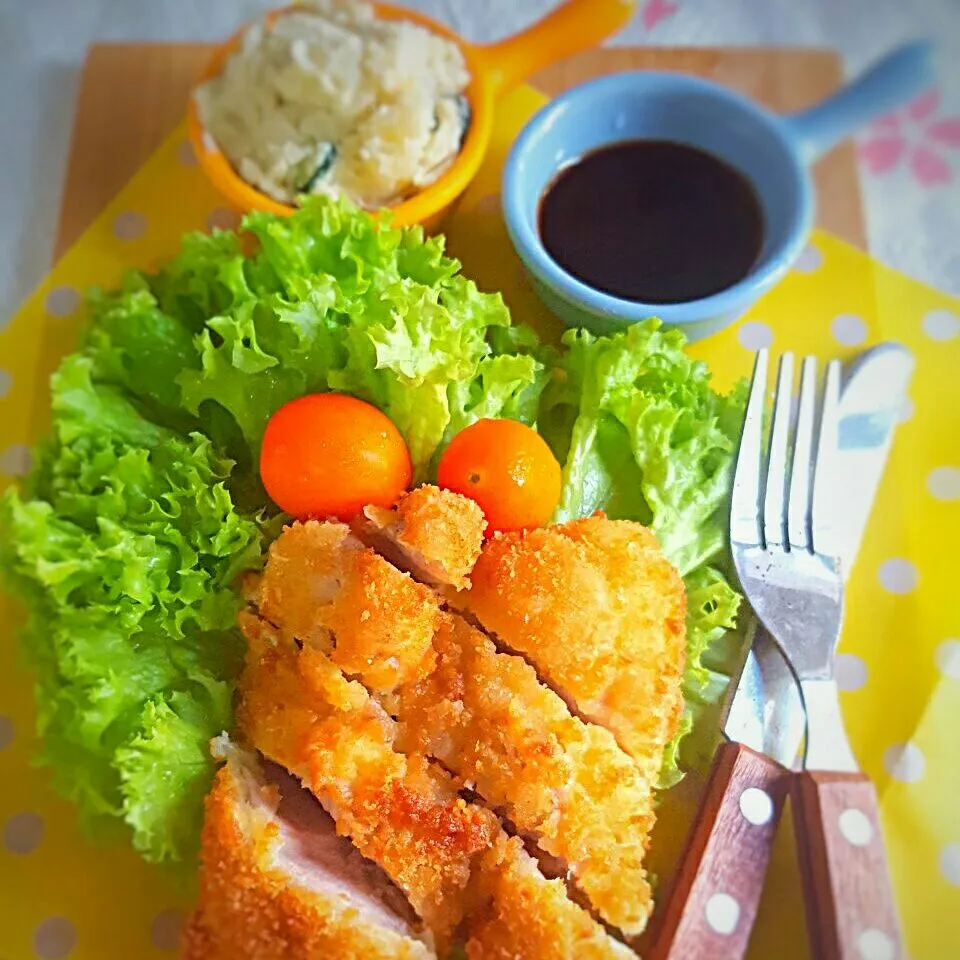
x: 574, y: 26
x: 890, y: 82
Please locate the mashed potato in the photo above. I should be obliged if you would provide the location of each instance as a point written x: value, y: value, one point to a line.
x: 334, y: 100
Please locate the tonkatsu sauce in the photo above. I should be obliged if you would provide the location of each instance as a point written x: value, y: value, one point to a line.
x: 652, y: 221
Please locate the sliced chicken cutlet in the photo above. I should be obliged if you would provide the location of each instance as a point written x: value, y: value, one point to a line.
x: 599, y: 611
x: 434, y: 534
x: 399, y: 810
x: 322, y: 587
x: 522, y: 916
x: 564, y: 783
x: 277, y: 882
x: 485, y: 716
x: 299, y: 710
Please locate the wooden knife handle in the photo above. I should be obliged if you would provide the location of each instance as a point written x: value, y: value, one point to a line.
x: 851, y: 912
x: 712, y: 905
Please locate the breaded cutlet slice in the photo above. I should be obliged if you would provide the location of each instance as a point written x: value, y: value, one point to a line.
x: 400, y: 811
x: 323, y: 587
x: 277, y: 882
x: 522, y: 916
x: 299, y: 710
x: 563, y: 783
x: 434, y: 534
x: 597, y: 608
x: 483, y: 714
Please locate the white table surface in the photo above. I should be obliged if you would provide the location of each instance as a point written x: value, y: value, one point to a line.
x: 910, y: 170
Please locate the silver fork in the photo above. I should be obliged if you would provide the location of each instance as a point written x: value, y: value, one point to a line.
x: 782, y: 526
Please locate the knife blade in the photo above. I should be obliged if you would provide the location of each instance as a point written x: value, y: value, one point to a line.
x: 764, y: 718
x: 846, y: 879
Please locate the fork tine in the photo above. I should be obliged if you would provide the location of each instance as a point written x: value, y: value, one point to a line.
x: 745, y: 506
x: 798, y: 510
x: 822, y: 521
x: 774, y: 503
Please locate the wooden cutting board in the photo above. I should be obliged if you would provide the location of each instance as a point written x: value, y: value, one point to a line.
x: 133, y: 95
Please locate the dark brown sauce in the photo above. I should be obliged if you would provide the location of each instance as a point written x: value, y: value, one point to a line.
x: 652, y: 221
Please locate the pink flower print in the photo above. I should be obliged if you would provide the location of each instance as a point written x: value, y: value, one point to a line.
x: 916, y: 138
x: 654, y: 11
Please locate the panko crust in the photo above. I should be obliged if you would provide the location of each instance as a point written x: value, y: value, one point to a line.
x: 436, y: 534
x: 250, y: 910
x: 600, y: 612
x: 488, y: 719
x: 523, y: 916
x: 321, y: 586
x: 299, y: 710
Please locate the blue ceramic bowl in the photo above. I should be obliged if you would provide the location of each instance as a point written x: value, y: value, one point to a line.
x: 773, y: 152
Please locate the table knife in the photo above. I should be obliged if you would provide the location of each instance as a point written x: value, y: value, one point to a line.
x: 727, y: 853
x: 851, y: 910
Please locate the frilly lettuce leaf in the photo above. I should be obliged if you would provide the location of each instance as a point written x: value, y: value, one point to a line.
x: 125, y: 546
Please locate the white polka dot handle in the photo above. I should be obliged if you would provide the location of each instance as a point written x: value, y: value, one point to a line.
x: 851, y: 912
x: 712, y: 903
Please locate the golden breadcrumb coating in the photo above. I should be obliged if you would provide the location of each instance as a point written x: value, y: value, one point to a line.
x: 325, y: 588
x: 250, y: 908
x: 435, y: 534
x: 600, y: 612
x: 522, y: 916
x: 399, y: 810
x: 565, y: 783
x: 299, y: 710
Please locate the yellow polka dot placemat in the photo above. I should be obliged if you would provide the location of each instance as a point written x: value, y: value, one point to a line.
x: 61, y: 896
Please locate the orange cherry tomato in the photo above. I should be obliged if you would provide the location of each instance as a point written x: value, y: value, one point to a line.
x: 329, y: 455
x: 507, y: 468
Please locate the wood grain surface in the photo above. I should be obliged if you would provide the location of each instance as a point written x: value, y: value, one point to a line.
x: 709, y: 909
x: 132, y: 95
x: 851, y: 911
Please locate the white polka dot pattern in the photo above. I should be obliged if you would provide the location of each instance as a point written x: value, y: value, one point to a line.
x: 62, y: 301
x: 904, y: 762
x: 809, y: 260
x: 898, y: 575
x: 756, y: 806
x: 850, y: 672
x: 848, y: 330
x: 7, y: 731
x: 186, y: 155
x: 23, y: 833
x: 722, y: 913
x: 15, y: 460
x: 873, y: 944
x: 129, y: 225
x: 947, y: 656
x: 754, y: 335
x: 855, y: 827
x: 165, y: 930
x: 941, y: 325
x: 55, y: 939
x: 223, y: 219
x: 943, y: 483
x: 950, y: 864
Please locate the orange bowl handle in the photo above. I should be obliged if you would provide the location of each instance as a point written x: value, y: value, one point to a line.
x: 574, y: 26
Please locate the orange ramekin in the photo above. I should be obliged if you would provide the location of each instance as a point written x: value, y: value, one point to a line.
x: 494, y: 69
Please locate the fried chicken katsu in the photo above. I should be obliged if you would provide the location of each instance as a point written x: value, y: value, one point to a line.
x: 433, y: 534
x: 299, y: 710
x: 484, y: 724
x: 448, y: 856
x: 600, y: 613
x: 277, y: 882
x: 563, y: 783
